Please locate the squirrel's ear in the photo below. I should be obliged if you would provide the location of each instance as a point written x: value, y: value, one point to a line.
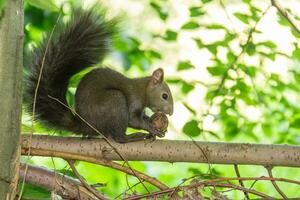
x: 157, y: 77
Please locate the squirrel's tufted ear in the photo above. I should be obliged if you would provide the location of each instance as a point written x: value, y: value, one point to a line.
x: 157, y: 77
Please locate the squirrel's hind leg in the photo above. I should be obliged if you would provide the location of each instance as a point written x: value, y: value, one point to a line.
x: 134, y: 137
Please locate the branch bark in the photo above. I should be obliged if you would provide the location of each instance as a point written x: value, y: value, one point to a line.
x: 169, y: 151
x: 286, y: 15
x: 11, y: 46
x: 64, y: 186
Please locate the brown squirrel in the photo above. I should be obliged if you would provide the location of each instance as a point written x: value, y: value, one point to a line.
x: 106, y: 99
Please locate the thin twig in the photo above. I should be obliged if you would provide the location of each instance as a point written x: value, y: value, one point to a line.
x: 34, y: 104
x: 295, y: 24
x: 84, y: 183
x: 130, y: 188
x: 105, y: 139
x: 223, y: 185
x: 269, y: 169
x: 244, y: 46
x: 104, y: 162
x: 214, y: 182
x: 236, y: 169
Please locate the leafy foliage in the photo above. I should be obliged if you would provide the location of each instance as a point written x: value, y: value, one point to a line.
x: 233, y: 80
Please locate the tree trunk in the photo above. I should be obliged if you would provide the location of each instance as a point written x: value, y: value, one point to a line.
x: 11, y: 61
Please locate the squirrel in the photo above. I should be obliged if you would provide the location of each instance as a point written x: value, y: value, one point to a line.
x: 106, y: 99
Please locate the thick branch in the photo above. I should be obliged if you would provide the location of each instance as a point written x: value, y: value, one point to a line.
x: 51, y: 181
x: 11, y: 62
x: 172, y: 151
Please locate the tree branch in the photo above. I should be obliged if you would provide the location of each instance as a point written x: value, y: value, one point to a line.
x: 170, y: 151
x: 63, y: 185
x: 84, y: 183
x: 269, y: 169
x: 99, y: 161
x: 286, y: 15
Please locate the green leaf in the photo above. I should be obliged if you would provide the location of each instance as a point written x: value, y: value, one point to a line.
x: 174, y: 81
x: 170, y: 35
x: 217, y: 70
x: 186, y: 87
x: 212, y: 48
x: 215, y: 26
x: 295, y: 33
x: 250, y: 49
x: 267, y: 129
x: 268, y: 43
x: 295, y: 121
x: 33, y: 192
x: 206, y: 1
x: 251, y: 71
x: 231, y: 129
x: 199, y: 43
x: 44, y: 5
x: 242, y: 17
x: 190, y: 25
x: 163, y: 15
x: 153, y: 54
x: 196, y: 11
x: 184, y: 65
x: 191, y: 128
x: 270, y: 56
x: 296, y: 54
x: 231, y: 57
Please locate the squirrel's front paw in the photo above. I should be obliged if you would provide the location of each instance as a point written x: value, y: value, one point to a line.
x: 151, y: 137
x: 156, y: 132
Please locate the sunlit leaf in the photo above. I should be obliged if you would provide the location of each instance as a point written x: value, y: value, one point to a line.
x: 190, y: 25
x: 184, y: 65
x: 170, y: 35
x: 196, y: 11
x: 199, y: 42
x: 295, y: 121
x: 191, y: 128
x: 45, y: 5
x: 217, y: 70
x: 250, y: 48
x: 296, y: 54
x: 186, y: 87
x: 163, y: 15
x: 242, y: 17
x: 268, y: 43
x: 267, y: 129
x: 206, y: 1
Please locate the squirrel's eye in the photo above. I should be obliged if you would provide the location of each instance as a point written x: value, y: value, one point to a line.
x: 165, y: 96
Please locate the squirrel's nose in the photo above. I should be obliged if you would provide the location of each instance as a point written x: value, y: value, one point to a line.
x: 169, y: 110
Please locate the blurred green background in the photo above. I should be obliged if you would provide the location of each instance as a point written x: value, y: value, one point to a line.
x: 233, y: 67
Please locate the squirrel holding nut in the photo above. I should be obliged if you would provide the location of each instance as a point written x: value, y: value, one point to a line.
x: 105, y: 99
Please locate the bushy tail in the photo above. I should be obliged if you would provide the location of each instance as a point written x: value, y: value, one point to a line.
x: 74, y: 46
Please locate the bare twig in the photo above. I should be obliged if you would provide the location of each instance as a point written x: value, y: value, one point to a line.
x: 105, y: 138
x: 244, y: 46
x: 104, y: 162
x: 269, y: 169
x: 84, y: 183
x: 295, y: 24
x: 34, y: 103
x: 63, y: 185
x: 207, y: 184
x: 215, y: 183
x: 236, y: 169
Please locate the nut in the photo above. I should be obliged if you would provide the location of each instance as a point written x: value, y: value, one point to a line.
x: 160, y: 122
